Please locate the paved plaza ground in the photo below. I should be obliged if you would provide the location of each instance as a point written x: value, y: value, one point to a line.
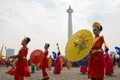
x: 72, y: 74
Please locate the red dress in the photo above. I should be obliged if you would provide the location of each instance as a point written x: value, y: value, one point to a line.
x: 108, y: 64
x: 57, y: 66
x: 83, y: 69
x: 96, y: 60
x: 44, y: 65
x: 21, y: 66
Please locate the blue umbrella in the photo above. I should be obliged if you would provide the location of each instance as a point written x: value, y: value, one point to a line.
x: 117, y: 49
x: 54, y: 54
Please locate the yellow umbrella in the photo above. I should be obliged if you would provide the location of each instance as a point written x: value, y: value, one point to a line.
x: 79, y: 45
x: 1, y: 52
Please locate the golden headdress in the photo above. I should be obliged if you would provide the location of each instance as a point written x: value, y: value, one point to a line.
x: 98, y: 25
x: 95, y: 24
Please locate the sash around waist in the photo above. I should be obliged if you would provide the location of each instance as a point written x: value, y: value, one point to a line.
x: 96, y: 50
x: 23, y: 57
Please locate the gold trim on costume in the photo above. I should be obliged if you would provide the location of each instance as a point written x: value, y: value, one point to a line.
x: 24, y: 57
x: 96, y: 50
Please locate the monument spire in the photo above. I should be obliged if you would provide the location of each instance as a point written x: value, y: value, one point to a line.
x: 70, y: 30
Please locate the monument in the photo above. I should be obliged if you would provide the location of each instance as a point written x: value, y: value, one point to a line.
x: 70, y: 30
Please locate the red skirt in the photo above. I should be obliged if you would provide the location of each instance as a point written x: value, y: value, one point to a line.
x: 83, y: 69
x: 21, y: 69
x: 96, y: 66
x: 11, y: 71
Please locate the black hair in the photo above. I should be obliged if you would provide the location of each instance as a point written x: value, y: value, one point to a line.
x: 59, y: 53
x: 106, y: 49
x: 48, y: 45
x: 27, y: 40
x: 99, y: 28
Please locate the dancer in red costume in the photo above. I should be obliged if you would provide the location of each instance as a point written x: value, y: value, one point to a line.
x: 108, y: 63
x: 44, y: 63
x: 21, y: 67
x: 57, y: 65
x: 96, y: 60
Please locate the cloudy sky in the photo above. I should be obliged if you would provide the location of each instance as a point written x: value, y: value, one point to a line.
x: 47, y: 21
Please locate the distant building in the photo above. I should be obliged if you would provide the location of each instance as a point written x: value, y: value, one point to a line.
x: 9, y: 52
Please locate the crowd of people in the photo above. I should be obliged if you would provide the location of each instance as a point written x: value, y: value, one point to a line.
x: 96, y: 64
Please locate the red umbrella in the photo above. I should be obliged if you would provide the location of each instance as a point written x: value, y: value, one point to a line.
x: 36, y: 56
